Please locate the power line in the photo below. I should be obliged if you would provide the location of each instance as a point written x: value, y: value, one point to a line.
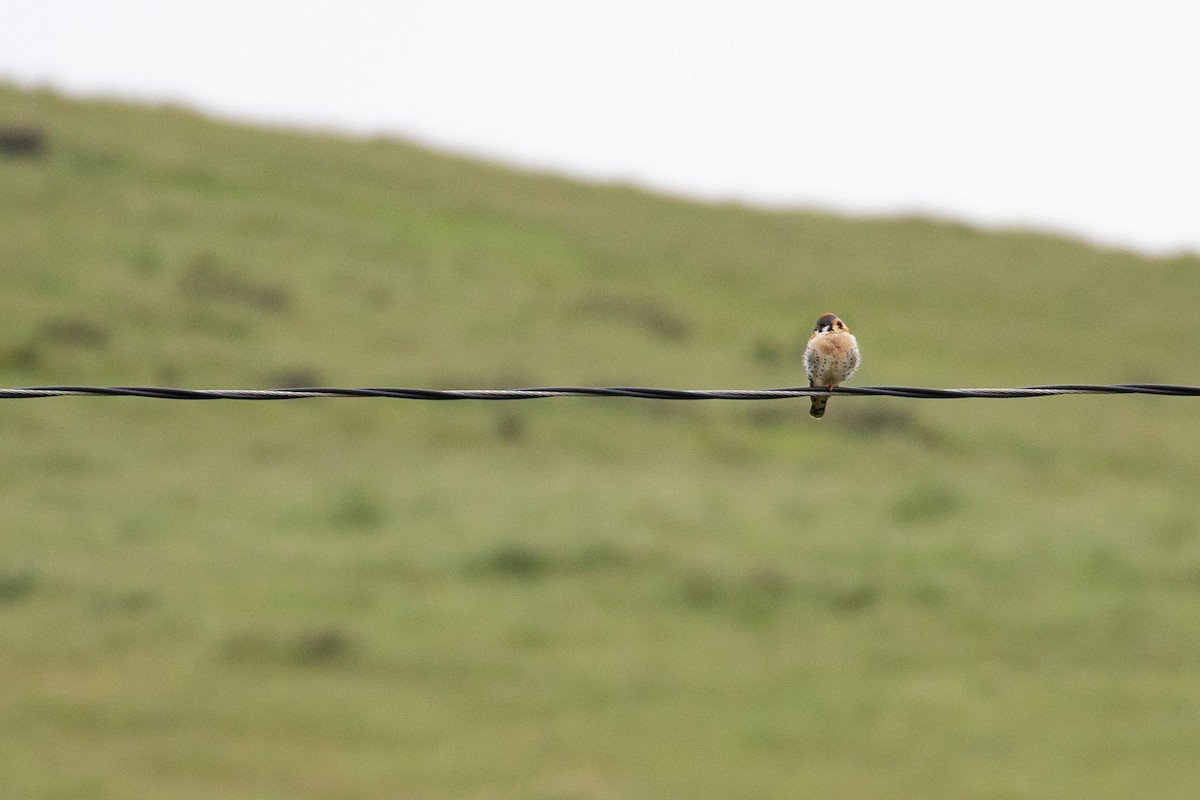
x: 167, y: 393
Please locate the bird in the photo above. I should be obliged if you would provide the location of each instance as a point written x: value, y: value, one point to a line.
x: 830, y: 358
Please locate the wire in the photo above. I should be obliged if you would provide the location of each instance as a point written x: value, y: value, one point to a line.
x: 166, y: 393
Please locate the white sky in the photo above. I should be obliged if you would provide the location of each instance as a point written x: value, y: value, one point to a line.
x: 1080, y: 116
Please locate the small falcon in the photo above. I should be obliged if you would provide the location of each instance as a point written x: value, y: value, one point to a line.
x: 830, y: 358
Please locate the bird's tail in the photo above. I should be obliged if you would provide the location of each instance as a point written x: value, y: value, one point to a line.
x: 818, y: 406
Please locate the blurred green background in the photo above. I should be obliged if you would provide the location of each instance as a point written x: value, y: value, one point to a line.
x: 570, y: 598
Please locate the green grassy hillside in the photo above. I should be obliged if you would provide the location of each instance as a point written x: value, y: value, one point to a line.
x: 570, y: 598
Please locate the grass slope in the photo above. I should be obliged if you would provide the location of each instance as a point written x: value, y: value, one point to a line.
x: 570, y: 598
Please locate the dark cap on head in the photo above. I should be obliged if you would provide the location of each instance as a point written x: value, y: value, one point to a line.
x: 825, y: 322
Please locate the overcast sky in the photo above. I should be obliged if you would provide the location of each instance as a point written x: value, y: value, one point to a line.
x: 1080, y: 116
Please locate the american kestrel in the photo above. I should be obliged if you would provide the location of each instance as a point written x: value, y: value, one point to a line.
x: 830, y: 358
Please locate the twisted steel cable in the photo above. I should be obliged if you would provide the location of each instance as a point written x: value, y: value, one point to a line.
x: 168, y: 393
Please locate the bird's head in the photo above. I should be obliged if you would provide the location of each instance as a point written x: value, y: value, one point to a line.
x: 827, y: 323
